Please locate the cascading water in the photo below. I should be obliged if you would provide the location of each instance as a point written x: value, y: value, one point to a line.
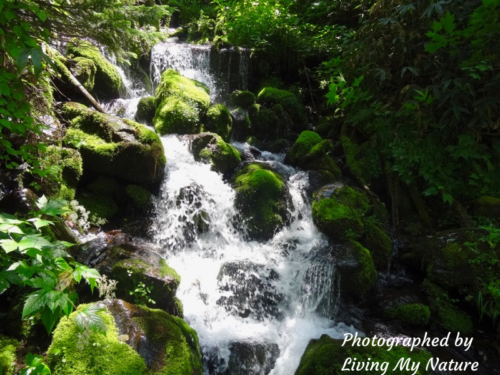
x: 254, y: 305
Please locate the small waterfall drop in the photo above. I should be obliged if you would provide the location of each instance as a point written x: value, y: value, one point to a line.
x: 247, y: 300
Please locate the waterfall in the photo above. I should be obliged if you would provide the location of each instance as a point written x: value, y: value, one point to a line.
x: 254, y: 305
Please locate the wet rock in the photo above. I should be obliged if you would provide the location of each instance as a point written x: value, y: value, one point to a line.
x: 249, y: 358
x: 131, y: 264
x: 164, y: 342
x: 21, y: 201
x: 195, y: 220
x: 241, y: 124
x: 253, y: 288
x: 211, y: 149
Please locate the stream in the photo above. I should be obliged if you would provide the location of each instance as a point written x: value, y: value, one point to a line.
x: 255, y: 306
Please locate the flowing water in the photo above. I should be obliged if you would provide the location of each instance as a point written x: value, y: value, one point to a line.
x: 244, y: 298
x: 255, y: 306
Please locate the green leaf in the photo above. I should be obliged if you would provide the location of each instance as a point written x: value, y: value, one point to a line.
x: 42, y: 15
x: 53, y: 207
x: 33, y: 241
x: 9, y: 245
x: 40, y: 223
x: 22, y: 59
x: 90, y: 318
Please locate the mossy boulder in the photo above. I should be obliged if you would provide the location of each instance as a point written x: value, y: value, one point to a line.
x: 242, y: 126
x: 140, y: 198
x: 358, y: 275
x: 69, y: 168
x: 326, y: 356
x: 378, y: 242
x: 99, y: 206
x: 108, y: 81
x: 84, y: 70
x: 104, y: 186
x: 219, y: 121
x: 243, y: 99
x: 210, y: 148
x: 146, y: 109
x: 336, y: 220
x: 180, y: 104
x: 487, y: 206
x: 8, y: 348
x: 113, y: 146
x: 270, y: 96
x: 310, y: 152
x: 168, y: 345
x: 412, y: 314
x: 261, y: 197
x: 70, y: 354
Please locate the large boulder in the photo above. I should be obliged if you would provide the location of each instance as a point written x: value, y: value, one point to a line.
x: 72, y: 353
x: 270, y: 96
x: 132, y: 264
x: 327, y: 356
x: 138, y: 340
x: 107, y: 82
x: 242, y: 99
x: 261, y: 197
x: 180, y: 104
x: 167, y: 343
x: 310, y: 152
x: 113, y: 146
x: 146, y: 110
x: 211, y: 148
x: 219, y: 121
x: 358, y: 275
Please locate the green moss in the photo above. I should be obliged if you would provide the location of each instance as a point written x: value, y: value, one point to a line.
x: 359, y: 276
x: 487, y: 206
x: 270, y: 96
x: 166, y: 270
x: 115, y: 147
x: 337, y: 220
x: 176, y: 338
x: 266, y: 125
x: 304, y: 143
x: 172, y: 83
x: 140, y: 197
x: 243, y: 99
x: 68, y: 163
x: 104, y: 186
x: 175, y: 115
x: 351, y: 198
x: 260, y: 196
x: 413, y: 314
x: 146, y: 110
x: 351, y: 151
x: 108, y: 82
x: 104, y: 354
x: 212, y: 149
x: 103, y: 207
x: 378, y: 242
x: 8, y: 349
x: 219, y: 121
x: 444, y: 313
x: 85, y: 72
x: 327, y: 356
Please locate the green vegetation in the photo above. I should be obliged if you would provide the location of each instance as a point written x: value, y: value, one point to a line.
x: 146, y: 110
x: 219, y: 121
x: 327, y: 356
x: 260, y: 197
x: 414, y: 314
x: 243, y: 99
x: 270, y: 96
x: 71, y: 353
x: 210, y: 148
x: 8, y: 349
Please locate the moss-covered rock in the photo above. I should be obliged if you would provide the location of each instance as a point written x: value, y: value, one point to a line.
x: 84, y: 70
x: 166, y: 343
x: 487, y: 206
x: 219, y: 121
x: 70, y: 354
x: 99, y: 206
x: 242, y: 126
x: 327, y: 356
x: 310, y: 152
x: 140, y: 198
x: 243, y: 99
x: 104, y: 186
x: 444, y: 312
x: 270, y: 96
x: 357, y: 272
x: 146, y: 109
x: 156, y: 275
x: 8, y: 347
x: 413, y: 314
x: 108, y: 81
x: 210, y: 148
x: 261, y: 199
x: 378, y: 242
x: 69, y: 166
x: 336, y: 220
x: 180, y: 103
x: 114, y: 147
